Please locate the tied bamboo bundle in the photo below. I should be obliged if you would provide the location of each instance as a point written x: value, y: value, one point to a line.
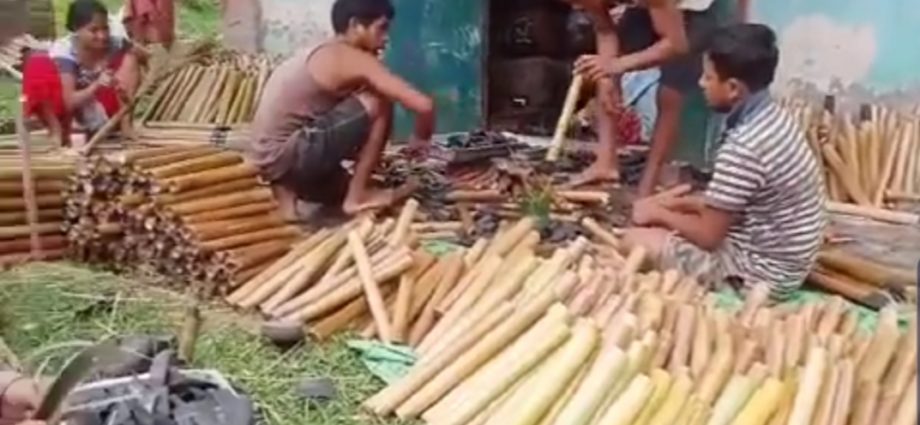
x: 871, y: 159
x: 11, y: 53
x: 51, y: 176
x: 570, y: 340
x: 221, y: 92
x: 195, y: 213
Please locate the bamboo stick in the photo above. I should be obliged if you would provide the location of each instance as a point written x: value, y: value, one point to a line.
x: 845, y: 176
x: 895, y: 217
x: 589, y: 395
x: 565, y: 117
x: 371, y: 290
x: 413, y: 398
x: 883, y: 345
x: 529, y: 405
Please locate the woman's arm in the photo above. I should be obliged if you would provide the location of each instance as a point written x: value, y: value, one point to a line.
x: 74, y: 98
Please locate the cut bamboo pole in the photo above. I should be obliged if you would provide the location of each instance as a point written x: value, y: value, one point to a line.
x: 371, y: 290
x: 907, y: 409
x: 565, y: 118
x: 503, y: 291
x: 428, y: 312
x: 883, y: 345
x: 762, y: 405
x: 468, y: 297
x: 809, y: 388
x: 525, y: 361
x: 677, y: 397
x: 589, y: 395
x: 309, y: 268
x: 845, y: 176
x: 283, y: 263
x: 401, y: 311
x: 895, y: 217
x: 866, y: 401
x: 889, y: 174
x: 529, y: 405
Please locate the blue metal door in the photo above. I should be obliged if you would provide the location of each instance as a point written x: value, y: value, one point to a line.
x: 438, y: 46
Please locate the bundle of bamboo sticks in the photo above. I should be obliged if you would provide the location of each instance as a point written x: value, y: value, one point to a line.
x: 222, y: 92
x: 196, y: 213
x: 346, y: 277
x: 51, y: 175
x: 188, y: 134
x: 320, y: 281
x: 862, y: 280
x: 11, y: 58
x: 872, y: 160
x: 575, y: 340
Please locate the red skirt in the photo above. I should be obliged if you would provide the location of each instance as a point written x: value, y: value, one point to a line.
x: 41, y: 87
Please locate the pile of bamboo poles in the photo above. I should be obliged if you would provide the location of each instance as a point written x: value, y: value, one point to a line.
x: 575, y: 339
x: 196, y: 213
x: 188, y: 134
x: 345, y: 277
x: 221, y: 92
x: 862, y: 280
x: 11, y: 58
x: 51, y: 176
x: 871, y: 160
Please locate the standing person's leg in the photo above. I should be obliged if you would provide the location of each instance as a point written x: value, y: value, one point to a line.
x: 360, y: 196
x: 670, y: 102
x: 679, y: 77
x: 128, y: 75
x: 605, y: 166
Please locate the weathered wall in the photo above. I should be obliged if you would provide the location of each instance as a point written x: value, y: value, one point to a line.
x: 854, y: 47
x: 289, y: 24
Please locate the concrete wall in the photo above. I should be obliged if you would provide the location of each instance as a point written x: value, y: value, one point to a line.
x: 855, y: 47
x: 289, y: 24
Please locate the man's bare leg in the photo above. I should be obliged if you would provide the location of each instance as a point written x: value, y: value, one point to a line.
x: 55, y: 126
x: 287, y: 202
x: 129, y: 79
x: 664, y: 136
x: 606, y: 166
x: 650, y: 238
x: 360, y: 196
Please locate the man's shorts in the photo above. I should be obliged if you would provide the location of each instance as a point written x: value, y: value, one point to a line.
x: 727, y: 267
x: 713, y: 269
x: 316, y: 173
x: 636, y: 32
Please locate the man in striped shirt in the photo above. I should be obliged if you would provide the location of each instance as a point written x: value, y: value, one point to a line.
x: 761, y: 218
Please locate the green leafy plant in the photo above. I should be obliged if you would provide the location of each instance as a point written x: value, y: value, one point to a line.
x: 537, y: 203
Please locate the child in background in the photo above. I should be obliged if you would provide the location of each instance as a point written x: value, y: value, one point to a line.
x: 762, y: 216
x: 85, y: 76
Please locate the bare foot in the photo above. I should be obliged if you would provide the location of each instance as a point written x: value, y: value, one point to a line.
x: 373, y: 200
x: 377, y: 199
x: 287, y: 203
x: 596, y: 173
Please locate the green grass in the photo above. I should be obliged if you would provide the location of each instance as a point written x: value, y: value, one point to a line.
x: 9, y: 92
x: 48, y: 307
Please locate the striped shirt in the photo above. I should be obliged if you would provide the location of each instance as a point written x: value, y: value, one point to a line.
x: 767, y: 175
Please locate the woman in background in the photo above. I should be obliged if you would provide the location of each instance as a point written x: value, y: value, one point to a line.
x: 85, y: 76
